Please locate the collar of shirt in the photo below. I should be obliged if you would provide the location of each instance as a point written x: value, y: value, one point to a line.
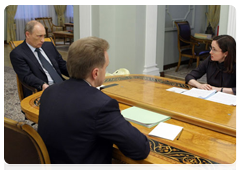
x: 32, y: 48
x: 87, y: 82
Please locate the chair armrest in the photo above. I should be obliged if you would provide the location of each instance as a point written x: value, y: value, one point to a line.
x: 189, y: 42
x: 34, y: 90
x: 203, y: 41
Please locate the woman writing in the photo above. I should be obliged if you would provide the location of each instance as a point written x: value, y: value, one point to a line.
x: 220, y: 67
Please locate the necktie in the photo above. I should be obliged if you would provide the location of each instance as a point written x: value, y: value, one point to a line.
x: 53, y: 73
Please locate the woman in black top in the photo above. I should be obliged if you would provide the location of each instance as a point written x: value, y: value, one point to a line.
x: 220, y: 67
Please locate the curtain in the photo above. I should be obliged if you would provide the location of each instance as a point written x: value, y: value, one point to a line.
x: 27, y: 13
x: 69, y: 14
x: 11, y: 26
x: 213, y: 15
x: 60, y: 10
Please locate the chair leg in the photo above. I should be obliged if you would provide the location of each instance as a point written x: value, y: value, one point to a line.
x: 198, y: 59
x: 190, y: 62
x: 179, y: 62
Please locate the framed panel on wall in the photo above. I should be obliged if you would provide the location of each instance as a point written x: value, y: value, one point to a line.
x: 178, y: 13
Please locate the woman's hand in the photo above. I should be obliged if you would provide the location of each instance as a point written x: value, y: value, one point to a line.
x: 195, y: 83
x: 205, y: 87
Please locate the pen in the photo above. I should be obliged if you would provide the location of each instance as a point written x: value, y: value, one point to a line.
x: 179, y: 134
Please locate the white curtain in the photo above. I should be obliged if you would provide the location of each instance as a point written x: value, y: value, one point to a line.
x: 69, y: 14
x: 27, y: 13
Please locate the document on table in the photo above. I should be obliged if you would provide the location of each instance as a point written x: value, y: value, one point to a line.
x: 143, y: 117
x: 203, y: 94
x: 177, y: 90
x: 211, y: 95
x: 166, y: 131
x: 223, y: 98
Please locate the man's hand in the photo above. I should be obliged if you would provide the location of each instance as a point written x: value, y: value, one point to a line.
x: 44, y: 86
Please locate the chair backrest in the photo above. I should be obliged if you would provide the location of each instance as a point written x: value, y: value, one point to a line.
x: 47, y: 22
x: 14, y: 44
x: 23, y: 144
x: 184, y: 31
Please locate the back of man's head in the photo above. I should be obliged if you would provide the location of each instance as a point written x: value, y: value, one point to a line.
x: 84, y: 55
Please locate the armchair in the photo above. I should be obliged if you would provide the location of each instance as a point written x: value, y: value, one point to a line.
x: 50, y: 27
x: 189, y: 46
x: 23, y: 144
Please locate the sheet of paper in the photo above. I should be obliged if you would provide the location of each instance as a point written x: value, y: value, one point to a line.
x: 166, y: 131
x: 203, y: 94
x: 177, y: 90
x: 223, y: 98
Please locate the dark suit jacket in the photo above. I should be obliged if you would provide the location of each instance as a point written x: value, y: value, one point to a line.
x: 79, y: 125
x: 28, y: 68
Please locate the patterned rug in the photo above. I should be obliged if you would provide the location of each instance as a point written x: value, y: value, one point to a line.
x: 182, y: 72
x: 12, y: 108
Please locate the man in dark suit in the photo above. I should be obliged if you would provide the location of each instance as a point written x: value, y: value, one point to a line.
x: 78, y: 123
x: 28, y: 65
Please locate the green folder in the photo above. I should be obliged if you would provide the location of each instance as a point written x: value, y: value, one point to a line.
x: 143, y: 117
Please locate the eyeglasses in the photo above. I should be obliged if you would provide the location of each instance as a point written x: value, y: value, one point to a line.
x: 213, y: 50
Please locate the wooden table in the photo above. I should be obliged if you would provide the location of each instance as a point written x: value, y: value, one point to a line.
x: 208, y: 134
x: 68, y: 25
x: 63, y: 34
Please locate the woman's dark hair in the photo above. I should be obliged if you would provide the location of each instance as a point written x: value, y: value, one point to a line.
x: 227, y: 44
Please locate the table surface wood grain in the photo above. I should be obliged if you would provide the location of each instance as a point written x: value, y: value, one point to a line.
x: 209, y: 128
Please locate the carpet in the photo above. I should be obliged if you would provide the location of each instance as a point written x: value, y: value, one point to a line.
x: 182, y: 72
x: 12, y: 107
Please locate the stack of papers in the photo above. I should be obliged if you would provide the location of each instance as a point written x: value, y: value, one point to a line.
x: 203, y: 94
x: 211, y: 95
x: 166, y: 131
x: 143, y: 117
x: 223, y: 98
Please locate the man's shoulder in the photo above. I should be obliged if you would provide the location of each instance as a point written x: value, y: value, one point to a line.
x: 19, y: 49
x: 47, y: 44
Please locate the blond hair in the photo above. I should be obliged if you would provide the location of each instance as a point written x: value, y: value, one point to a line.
x: 84, y: 55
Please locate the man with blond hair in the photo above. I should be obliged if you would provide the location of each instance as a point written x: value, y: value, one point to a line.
x: 37, y: 63
x: 78, y: 123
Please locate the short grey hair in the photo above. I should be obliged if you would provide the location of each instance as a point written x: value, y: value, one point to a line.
x: 30, y: 25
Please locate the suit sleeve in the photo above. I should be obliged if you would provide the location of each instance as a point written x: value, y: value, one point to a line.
x: 23, y: 71
x: 112, y: 126
x: 198, y: 72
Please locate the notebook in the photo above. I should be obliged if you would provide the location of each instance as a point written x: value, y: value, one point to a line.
x: 143, y: 117
x: 166, y: 131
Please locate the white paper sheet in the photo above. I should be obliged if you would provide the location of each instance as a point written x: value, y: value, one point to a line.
x: 223, y: 98
x: 166, y: 131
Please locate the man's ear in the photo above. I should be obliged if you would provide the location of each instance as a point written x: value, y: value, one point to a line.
x: 95, y: 73
x: 27, y: 34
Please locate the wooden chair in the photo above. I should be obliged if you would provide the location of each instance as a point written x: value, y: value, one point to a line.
x: 23, y: 144
x: 20, y: 84
x: 50, y: 27
x: 189, y: 46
